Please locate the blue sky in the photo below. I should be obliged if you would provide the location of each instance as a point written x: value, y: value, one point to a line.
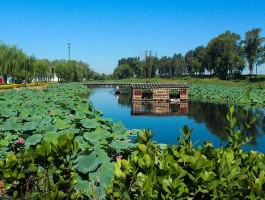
x: 103, y: 31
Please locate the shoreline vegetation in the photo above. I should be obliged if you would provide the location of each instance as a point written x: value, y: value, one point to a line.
x: 38, y: 85
x: 207, y: 89
x: 55, y: 145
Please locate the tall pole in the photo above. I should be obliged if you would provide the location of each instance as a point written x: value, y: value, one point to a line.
x: 69, y: 47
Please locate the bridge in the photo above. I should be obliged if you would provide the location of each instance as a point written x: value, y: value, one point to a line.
x: 110, y: 84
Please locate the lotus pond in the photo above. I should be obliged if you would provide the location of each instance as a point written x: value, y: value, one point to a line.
x: 54, y: 144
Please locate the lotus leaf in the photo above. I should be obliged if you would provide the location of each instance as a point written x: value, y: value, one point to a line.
x: 87, y: 163
x: 33, y: 140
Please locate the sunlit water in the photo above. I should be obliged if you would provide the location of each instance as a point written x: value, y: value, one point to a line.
x: 208, y: 120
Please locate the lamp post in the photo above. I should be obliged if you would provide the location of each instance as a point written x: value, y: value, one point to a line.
x: 69, y: 47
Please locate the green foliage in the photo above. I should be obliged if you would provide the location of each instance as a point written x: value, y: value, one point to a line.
x: 42, y: 68
x: 72, y: 71
x: 254, y: 51
x: 196, y: 60
x: 14, y: 62
x: 56, y: 145
x: 123, y: 71
x: 224, y: 94
x: 224, y: 55
x: 182, y: 172
x: 60, y: 147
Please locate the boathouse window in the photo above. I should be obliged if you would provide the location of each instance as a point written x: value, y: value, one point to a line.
x: 174, y: 93
x: 147, y: 94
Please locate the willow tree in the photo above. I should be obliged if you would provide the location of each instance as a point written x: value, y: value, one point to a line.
x: 14, y: 62
x: 64, y: 71
x: 42, y: 69
x: 6, y: 60
x: 86, y: 72
x: 25, y: 67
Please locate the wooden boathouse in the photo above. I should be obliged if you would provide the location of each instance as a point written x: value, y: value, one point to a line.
x: 160, y: 92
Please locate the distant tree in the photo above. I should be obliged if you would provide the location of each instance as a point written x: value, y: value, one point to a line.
x: 14, y: 62
x: 134, y: 63
x: 99, y: 76
x: 253, y: 49
x: 64, y: 70
x: 73, y: 71
x: 149, y: 64
x: 200, y: 56
x: 190, y: 62
x: 87, y: 72
x: 123, y: 71
x: 163, y: 66
x: 178, y: 63
x: 222, y: 53
x: 42, y: 69
x: 26, y: 68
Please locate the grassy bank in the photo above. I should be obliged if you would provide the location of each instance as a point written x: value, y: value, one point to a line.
x: 258, y: 81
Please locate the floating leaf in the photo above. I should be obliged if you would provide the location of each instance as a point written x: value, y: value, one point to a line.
x: 33, y: 140
x: 60, y: 124
x: 119, y: 128
x: 87, y: 163
x: 89, y: 123
x: 92, y: 137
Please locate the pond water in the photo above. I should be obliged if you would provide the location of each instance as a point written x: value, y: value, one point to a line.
x: 165, y: 120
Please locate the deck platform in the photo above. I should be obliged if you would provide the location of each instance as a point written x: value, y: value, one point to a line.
x: 159, y: 92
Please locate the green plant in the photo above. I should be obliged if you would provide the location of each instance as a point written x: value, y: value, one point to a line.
x: 183, y: 172
x: 56, y: 145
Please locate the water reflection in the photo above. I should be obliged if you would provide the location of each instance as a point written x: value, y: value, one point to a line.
x: 212, y: 115
x: 214, y: 118
x: 158, y: 108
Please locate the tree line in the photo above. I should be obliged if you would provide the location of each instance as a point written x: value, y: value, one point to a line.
x: 23, y: 68
x: 226, y: 54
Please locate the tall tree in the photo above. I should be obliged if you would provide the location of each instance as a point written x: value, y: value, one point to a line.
x: 42, y: 69
x: 149, y: 64
x: 189, y: 61
x: 200, y: 57
x: 14, y: 62
x: 164, y: 66
x: 134, y: 63
x: 64, y: 70
x: 87, y: 72
x: 253, y: 49
x: 123, y: 71
x: 178, y: 63
x: 222, y: 53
